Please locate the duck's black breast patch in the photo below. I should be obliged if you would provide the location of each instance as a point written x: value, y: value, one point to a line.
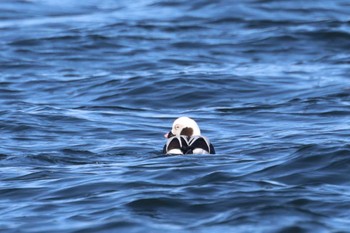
x: 187, y: 131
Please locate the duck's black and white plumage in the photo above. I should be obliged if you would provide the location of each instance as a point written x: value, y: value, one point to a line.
x: 185, y: 138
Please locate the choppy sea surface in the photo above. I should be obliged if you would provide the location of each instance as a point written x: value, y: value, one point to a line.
x: 88, y: 88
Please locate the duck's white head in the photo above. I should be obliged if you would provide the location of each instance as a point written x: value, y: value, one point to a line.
x: 184, y: 126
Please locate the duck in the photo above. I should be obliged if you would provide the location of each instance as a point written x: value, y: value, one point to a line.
x: 185, y: 138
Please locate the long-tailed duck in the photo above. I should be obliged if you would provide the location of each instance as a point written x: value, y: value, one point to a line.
x: 185, y: 138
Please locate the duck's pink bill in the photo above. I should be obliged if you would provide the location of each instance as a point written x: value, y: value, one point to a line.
x: 166, y: 135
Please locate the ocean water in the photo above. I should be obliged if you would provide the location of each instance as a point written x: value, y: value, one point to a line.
x: 88, y: 88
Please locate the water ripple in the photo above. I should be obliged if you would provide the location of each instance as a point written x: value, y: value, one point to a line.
x: 87, y: 89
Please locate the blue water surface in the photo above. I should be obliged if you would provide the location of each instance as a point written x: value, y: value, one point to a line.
x: 88, y: 88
